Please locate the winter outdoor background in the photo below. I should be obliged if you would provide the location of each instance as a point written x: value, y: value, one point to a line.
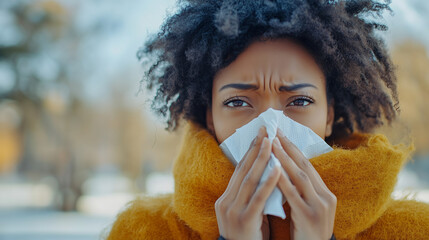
x: 76, y: 140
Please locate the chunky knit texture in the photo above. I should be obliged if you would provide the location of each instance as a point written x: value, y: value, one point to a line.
x: 361, y: 172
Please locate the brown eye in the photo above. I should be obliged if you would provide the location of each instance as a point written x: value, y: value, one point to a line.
x: 300, y: 102
x: 236, y: 103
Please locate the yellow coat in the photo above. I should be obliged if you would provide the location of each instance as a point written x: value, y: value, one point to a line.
x: 361, y: 173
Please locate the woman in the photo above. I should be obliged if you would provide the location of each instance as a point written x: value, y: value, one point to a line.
x: 218, y: 65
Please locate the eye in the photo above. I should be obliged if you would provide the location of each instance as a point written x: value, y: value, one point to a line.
x: 301, y: 102
x: 236, y: 103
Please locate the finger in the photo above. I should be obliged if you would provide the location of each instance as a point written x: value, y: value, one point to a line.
x: 302, y: 162
x: 244, y: 165
x: 252, y: 178
x: 292, y: 195
x: 257, y: 202
x: 299, y: 178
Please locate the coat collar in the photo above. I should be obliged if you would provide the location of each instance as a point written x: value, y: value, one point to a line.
x: 361, y: 172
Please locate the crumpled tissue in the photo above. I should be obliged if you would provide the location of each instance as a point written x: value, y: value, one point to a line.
x: 308, y: 142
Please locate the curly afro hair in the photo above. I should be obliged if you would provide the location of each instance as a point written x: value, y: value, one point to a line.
x: 205, y: 36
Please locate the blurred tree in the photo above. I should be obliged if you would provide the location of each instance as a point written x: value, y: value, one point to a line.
x: 9, y: 139
x: 42, y: 89
x: 412, y: 63
x: 50, y: 57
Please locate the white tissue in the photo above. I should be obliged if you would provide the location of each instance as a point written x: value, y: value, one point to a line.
x: 310, y: 144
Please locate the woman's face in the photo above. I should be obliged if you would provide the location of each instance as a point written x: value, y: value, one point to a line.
x: 278, y: 74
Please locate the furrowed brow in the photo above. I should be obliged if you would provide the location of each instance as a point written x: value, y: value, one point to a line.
x: 240, y: 86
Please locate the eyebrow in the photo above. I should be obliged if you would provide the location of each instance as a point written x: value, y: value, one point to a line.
x: 290, y: 88
x: 296, y: 87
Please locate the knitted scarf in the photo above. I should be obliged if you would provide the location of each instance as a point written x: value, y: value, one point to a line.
x: 361, y: 172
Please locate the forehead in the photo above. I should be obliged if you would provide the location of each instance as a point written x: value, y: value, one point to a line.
x: 283, y: 59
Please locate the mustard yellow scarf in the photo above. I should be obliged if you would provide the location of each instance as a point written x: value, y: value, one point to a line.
x: 361, y: 173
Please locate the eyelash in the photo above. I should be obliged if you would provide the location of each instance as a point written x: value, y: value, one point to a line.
x: 233, y: 99
x: 302, y: 98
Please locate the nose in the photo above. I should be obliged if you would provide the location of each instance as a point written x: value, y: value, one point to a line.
x: 271, y: 104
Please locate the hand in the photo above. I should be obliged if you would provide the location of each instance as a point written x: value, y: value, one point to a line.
x: 312, y: 204
x: 239, y: 211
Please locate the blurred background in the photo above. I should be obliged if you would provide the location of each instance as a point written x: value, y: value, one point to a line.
x: 78, y: 139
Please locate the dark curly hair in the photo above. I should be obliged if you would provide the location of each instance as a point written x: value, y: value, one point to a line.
x: 205, y: 36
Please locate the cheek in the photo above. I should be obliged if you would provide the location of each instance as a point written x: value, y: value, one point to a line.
x: 224, y: 126
x: 315, y: 120
x: 226, y: 121
x: 223, y: 129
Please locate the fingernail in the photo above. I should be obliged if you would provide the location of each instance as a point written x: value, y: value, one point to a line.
x: 276, y: 142
x: 264, y: 142
x: 274, y: 171
x: 254, y: 141
x: 261, y: 131
x: 280, y: 132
